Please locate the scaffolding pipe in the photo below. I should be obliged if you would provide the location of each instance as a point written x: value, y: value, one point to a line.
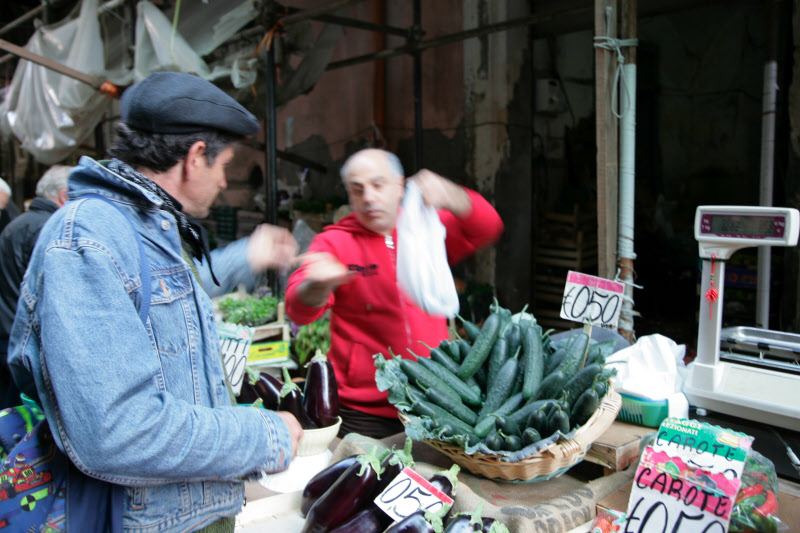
x: 627, y: 169
x: 315, y: 11
x: 452, y: 38
x: 271, y: 153
x: 22, y: 19
x: 769, y: 95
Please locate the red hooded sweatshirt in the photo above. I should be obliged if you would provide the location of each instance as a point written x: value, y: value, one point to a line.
x: 371, y: 314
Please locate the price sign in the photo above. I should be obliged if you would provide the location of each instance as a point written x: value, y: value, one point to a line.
x: 409, y: 492
x: 688, y: 479
x: 590, y: 299
x: 234, y: 343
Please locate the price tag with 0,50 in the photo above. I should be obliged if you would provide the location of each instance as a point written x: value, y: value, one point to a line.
x: 592, y: 300
x: 409, y: 492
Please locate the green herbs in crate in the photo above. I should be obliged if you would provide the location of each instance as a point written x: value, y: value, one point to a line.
x: 251, y: 311
x: 310, y: 338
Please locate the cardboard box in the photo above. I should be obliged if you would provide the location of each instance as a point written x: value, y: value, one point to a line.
x: 618, y: 447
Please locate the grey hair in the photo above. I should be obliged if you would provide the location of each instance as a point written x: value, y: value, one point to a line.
x: 53, y: 182
x: 393, y: 160
x: 4, y: 187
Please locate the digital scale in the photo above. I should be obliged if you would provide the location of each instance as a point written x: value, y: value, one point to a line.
x: 758, y: 376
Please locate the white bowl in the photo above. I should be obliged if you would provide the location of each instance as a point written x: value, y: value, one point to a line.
x: 316, y: 441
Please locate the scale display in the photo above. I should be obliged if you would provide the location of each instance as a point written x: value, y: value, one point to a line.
x: 735, y: 227
x: 743, y: 226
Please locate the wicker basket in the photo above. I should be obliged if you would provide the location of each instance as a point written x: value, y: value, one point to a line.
x: 547, y: 463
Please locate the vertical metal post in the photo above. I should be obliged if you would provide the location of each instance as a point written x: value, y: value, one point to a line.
x: 271, y: 153
x: 46, y: 12
x: 417, y: 87
x: 768, y: 107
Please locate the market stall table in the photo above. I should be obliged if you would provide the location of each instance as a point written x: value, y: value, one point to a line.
x: 560, y: 504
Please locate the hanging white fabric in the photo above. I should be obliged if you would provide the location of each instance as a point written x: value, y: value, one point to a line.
x: 422, y: 269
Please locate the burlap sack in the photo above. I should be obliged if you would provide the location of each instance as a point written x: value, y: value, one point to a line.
x: 553, y: 506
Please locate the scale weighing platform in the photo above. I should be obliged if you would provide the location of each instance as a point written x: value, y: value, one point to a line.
x: 758, y: 376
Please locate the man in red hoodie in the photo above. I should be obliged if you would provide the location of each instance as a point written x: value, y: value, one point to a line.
x: 350, y: 268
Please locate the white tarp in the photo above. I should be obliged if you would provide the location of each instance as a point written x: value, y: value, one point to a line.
x: 51, y: 114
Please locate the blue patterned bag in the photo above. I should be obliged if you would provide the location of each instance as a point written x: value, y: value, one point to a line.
x: 41, y: 491
x: 33, y: 478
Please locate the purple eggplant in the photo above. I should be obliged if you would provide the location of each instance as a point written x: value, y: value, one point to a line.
x: 465, y: 522
x: 321, y: 397
x: 413, y: 523
x: 248, y: 393
x: 269, y: 388
x: 364, y: 521
x: 292, y: 401
x: 392, y: 465
x: 462, y: 524
x: 420, y: 521
x: 322, y: 481
x: 446, y: 480
x: 348, y: 495
x: 492, y: 525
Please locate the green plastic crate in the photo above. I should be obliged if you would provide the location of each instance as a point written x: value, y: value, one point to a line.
x: 642, y: 411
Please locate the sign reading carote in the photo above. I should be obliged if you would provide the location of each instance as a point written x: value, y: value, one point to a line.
x: 687, y: 479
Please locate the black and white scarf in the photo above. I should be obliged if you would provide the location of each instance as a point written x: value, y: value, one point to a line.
x: 192, y: 234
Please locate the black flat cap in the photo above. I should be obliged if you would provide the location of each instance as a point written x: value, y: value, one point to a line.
x: 174, y: 102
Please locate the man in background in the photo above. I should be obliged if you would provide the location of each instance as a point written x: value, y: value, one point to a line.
x: 8, y: 210
x: 351, y: 269
x: 16, y: 246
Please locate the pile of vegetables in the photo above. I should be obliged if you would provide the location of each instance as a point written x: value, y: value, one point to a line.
x: 756, y: 506
x: 506, y: 389
x: 341, y: 498
x: 312, y: 337
x: 315, y: 406
x: 252, y: 311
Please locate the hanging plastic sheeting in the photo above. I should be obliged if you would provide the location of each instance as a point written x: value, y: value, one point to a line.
x: 204, y: 38
x: 159, y: 48
x: 50, y: 113
x: 302, y: 79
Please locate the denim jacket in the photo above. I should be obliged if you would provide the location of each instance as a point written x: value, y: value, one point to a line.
x: 141, y: 405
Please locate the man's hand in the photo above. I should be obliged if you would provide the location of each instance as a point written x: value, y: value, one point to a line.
x: 295, y: 431
x: 323, y: 274
x: 441, y: 193
x: 271, y: 247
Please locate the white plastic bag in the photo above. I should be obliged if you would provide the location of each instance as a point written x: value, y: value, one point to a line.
x: 652, y: 368
x: 422, y: 268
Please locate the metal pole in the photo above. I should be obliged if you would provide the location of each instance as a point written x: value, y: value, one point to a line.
x: 627, y: 169
x: 49, y: 63
x: 22, y: 19
x: 417, y: 88
x: 271, y: 154
x: 453, y: 38
x: 769, y: 97
x: 46, y: 13
x: 315, y: 11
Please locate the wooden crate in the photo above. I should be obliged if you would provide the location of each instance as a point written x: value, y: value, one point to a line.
x: 564, y: 242
x: 618, y: 447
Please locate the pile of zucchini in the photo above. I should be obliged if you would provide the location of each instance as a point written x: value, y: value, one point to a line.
x: 507, y: 388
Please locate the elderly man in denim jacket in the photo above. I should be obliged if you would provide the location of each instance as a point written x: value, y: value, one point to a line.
x: 144, y: 402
